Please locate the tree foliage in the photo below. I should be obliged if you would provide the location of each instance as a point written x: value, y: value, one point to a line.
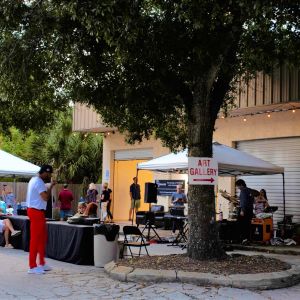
x: 149, y: 67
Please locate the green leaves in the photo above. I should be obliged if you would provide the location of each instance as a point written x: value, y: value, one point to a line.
x: 75, y: 157
x: 139, y: 63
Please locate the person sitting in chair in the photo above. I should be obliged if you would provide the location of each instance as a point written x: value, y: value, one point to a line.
x: 91, y: 210
x: 80, y: 213
x: 80, y: 210
x: 7, y: 228
x: 261, y: 202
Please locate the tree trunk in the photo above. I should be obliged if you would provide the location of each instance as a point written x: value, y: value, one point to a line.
x: 203, y: 236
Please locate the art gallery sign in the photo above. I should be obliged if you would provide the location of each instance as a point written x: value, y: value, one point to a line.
x: 202, y: 170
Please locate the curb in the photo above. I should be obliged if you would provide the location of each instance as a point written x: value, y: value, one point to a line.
x: 288, y: 251
x: 258, y: 281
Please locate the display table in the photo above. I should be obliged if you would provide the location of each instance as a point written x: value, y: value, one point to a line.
x: 66, y: 242
x: 70, y: 243
x: 19, y: 223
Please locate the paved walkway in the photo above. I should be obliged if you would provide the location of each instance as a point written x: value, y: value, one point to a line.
x: 69, y: 281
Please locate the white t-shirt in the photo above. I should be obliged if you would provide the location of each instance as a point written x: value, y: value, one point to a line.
x: 35, y: 187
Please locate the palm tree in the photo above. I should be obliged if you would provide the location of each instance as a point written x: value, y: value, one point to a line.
x: 76, y: 157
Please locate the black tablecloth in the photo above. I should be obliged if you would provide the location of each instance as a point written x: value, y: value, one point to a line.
x: 19, y: 223
x: 70, y: 243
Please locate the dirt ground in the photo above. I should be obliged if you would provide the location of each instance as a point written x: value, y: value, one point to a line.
x: 233, y: 264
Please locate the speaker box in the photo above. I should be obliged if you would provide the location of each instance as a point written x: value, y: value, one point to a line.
x: 150, y: 192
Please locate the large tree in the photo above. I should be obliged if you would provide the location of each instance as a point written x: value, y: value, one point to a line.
x: 152, y: 67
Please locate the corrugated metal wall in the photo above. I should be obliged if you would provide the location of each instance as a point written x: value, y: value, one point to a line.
x: 132, y: 154
x: 284, y: 152
x: 86, y: 119
x: 279, y: 87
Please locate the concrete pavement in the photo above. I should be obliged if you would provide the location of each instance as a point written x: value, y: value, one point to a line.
x: 68, y: 281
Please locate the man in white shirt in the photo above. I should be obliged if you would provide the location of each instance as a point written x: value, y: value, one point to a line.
x: 36, y: 199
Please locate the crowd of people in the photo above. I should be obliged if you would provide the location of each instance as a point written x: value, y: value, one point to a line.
x: 95, y: 205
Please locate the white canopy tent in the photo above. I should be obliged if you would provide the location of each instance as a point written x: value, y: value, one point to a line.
x: 231, y: 162
x: 13, y: 166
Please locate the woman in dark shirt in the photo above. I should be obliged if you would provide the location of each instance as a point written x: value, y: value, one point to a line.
x: 106, y: 197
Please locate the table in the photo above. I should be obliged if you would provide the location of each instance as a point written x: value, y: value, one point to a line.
x: 66, y: 242
x: 70, y: 243
x: 19, y: 223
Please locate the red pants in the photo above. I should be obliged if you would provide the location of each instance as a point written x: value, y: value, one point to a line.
x: 38, y: 236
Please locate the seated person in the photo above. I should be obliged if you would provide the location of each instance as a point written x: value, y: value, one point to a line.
x: 261, y: 202
x: 91, y: 210
x: 6, y: 228
x: 178, y: 199
x: 80, y: 210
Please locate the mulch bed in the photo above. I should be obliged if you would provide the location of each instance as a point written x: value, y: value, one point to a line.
x: 233, y: 264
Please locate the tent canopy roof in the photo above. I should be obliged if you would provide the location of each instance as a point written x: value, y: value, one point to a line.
x: 231, y: 162
x: 11, y: 165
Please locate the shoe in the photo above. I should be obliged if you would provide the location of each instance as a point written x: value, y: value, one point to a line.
x: 45, y: 267
x: 289, y: 242
x: 16, y: 233
x: 245, y: 242
x: 36, y: 270
x: 9, y: 246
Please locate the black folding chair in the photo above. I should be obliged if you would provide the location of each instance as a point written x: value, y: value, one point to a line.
x: 131, y: 232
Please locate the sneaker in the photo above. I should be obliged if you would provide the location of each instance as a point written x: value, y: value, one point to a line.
x: 245, y: 242
x: 9, y: 246
x: 45, y: 267
x: 36, y: 270
x: 289, y: 242
x: 16, y: 233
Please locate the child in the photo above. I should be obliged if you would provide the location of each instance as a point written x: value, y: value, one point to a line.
x: 80, y: 210
x: 80, y: 213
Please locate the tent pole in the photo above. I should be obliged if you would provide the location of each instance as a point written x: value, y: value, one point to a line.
x: 283, y: 194
x: 15, y: 192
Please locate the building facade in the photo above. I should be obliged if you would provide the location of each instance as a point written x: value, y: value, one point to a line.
x: 265, y: 123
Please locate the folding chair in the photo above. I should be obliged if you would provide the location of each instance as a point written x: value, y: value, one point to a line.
x: 131, y: 232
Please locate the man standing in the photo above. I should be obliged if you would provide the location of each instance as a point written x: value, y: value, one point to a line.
x: 36, y: 199
x: 178, y: 199
x: 65, y: 197
x: 135, y: 197
x: 246, y: 210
